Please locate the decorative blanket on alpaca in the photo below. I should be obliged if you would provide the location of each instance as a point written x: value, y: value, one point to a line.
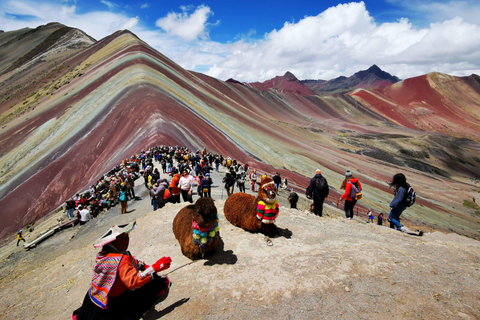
x: 203, y: 236
x: 267, y: 212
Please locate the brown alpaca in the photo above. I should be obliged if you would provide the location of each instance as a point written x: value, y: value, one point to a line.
x: 241, y: 209
x: 204, y: 213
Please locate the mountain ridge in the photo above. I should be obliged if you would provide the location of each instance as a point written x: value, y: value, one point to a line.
x: 102, y: 103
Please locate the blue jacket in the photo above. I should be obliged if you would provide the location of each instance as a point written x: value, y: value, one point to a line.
x: 399, y: 199
x: 206, y: 183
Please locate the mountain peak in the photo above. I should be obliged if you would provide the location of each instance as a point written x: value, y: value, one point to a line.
x: 372, y: 78
x: 286, y: 83
x: 288, y: 74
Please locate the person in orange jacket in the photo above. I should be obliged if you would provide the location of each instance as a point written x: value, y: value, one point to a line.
x: 122, y: 287
x: 175, y: 188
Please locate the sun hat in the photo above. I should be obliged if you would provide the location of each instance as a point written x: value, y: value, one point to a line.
x: 112, y: 233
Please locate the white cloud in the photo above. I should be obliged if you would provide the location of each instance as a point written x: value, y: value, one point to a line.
x: 144, y: 5
x: 345, y: 39
x: 187, y: 26
x: 109, y: 4
x: 339, y: 41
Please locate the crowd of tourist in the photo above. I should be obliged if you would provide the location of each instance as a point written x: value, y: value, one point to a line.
x: 186, y: 173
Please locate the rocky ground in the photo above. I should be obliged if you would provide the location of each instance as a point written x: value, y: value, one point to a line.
x: 319, y: 268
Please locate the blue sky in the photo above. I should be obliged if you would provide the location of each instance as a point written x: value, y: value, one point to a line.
x: 258, y: 40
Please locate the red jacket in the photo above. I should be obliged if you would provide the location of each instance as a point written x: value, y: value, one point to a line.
x: 348, y: 189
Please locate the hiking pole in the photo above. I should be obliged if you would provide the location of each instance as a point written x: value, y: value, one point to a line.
x: 222, y: 191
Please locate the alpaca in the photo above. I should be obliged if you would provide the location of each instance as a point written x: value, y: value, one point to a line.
x: 196, y: 229
x: 254, y: 214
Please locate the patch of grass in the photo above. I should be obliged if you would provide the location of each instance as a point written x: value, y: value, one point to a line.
x: 471, y: 205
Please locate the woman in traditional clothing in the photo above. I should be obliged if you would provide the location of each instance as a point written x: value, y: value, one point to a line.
x: 122, y: 287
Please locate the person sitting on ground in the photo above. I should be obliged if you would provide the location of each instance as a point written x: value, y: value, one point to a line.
x: 123, y: 287
x: 83, y: 215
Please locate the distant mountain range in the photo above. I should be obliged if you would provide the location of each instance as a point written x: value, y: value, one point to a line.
x: 71, y: 108
x: 372, y: 78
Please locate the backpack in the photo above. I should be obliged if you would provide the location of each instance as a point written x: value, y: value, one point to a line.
x: 122, y: 196
x: 321, y: 186
x: 355, y: 193
x: 410, y: 196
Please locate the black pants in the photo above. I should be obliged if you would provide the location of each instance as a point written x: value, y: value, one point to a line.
x: 186, y: 197
x: 349, y: 208
x: 131, y: 193
x: 128, y: 305
x: 241, y: 187
x: 318, y: 206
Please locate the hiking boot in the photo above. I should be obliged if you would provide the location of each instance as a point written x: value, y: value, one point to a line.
x: 402, y: 229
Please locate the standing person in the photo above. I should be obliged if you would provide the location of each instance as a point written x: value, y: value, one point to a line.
x: 370, y: 216
x: 199, y: 179
x: 277, y: 180
x: 20, y: 237
x: 397, y: 206
x: 123, y: 200
x: 130, y: 185
x: 206, y: 185
x: 153, y: 199
x: 380, y: 219
x: 253, y: 178
x: 70, y: 207
x: 146, y: 174
x: 348, y: 184
x: 175, y: 188
x: 229, y: 181
x: 241, y: 180
x: 285, y: 184
x: 186, y: 183
x: 318, y: 190
x: 123, y: 287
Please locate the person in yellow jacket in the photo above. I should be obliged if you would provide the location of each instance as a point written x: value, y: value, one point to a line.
x: 20, y: 237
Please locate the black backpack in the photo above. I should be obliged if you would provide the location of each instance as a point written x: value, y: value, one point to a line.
x: 321, y: 185
x: 410, y: 196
